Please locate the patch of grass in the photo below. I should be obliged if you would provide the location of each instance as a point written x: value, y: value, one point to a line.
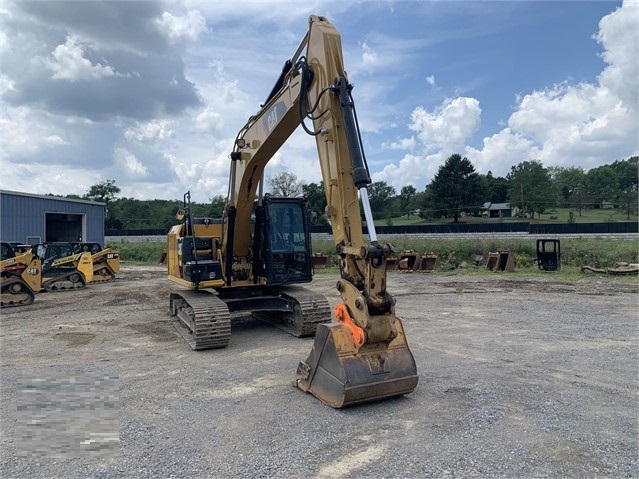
x: 147, y: 252
x: 561, y: 215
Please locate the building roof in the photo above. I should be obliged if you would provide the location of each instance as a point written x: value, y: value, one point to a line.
x: 496, y: 206
x: 47, y: 197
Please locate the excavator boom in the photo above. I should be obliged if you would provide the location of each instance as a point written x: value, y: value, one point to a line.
x: 340, y: 370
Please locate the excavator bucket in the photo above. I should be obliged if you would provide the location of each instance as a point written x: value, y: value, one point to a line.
x: 409, y: 260
x: 500, y: 261
x: 340, y: 374
x: 429, y: 262
x: 321, y: 261
x: 391, y: 263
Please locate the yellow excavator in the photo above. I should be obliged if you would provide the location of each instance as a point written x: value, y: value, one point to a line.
x: 44, y: 267
x: 106, y: 261
x: 254, y: 258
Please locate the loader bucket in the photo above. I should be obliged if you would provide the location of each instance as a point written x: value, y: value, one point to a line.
x: 492, y: 261
x: 506, y: 262
x: 339, y: 374
x: 429, y: 262
x: 501, y: 261
x: 408, y: 261
x: 391, y: 263
x: 320, y: 261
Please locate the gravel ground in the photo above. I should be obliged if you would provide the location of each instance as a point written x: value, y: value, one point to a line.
x: 519, y: 378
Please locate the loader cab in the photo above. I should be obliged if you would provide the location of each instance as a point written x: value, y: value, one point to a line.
x: 7, y: 251
x: 92, y: 248
x: 286, y: 241
x: 50, y: 252
x: 549, y: 254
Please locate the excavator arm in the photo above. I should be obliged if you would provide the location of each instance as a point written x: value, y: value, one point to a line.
x: 364, y: 355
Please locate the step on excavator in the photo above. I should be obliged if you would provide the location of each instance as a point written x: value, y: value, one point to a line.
x: 255, y: 258
x: 43, y: 267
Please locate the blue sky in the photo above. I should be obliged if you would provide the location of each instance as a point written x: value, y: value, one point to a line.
x: 152, y: 94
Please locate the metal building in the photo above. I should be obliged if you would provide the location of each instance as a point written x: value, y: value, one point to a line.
x: 31, y: 219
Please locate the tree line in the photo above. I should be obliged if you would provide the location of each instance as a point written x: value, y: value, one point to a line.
x: 458, y: 189
x: 455, y: 190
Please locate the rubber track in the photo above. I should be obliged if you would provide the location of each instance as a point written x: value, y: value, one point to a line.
x: 98, y: 277
x: 64, y: 283
x: 6, y: 293
x: 313, y: 309
x: 203, y: 319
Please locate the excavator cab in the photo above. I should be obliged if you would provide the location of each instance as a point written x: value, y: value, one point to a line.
x: 287, y: 246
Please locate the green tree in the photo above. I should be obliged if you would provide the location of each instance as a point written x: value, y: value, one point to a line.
x: 285, y: 184
x: 628, y: 173
x: 567, y: 182
x: 380, y: 195
x: 603, y: 184
x: 405, y: 196
x: 424, y: 201
x: 531, y: 187
x: 104, y: 191
x: 316, y: 197
x: 456, y: 187
x: 216, y: 207
x: 579, y: 198
x: 495, y: 189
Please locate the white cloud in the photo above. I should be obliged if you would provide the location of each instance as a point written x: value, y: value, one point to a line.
x: 151, y: 130
x: 209, y: 121
x: 501, y: 151
x: 415, y: 170
x: 402, y: 144
x: 180, y: 28
x: 4, y: 42
x: 618, y: 37
x: 209, y: 81
x: 45, y: 178
x: 448, y: 126
x: 369, y: 57
x: 6, y: 84
x: 29, y: 134
x: 67, y: 62
x: 567, y: 124
x: 129, y: 163
x: 564, y: 125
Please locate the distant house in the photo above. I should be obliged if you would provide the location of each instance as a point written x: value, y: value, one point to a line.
x: 497, y: 210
